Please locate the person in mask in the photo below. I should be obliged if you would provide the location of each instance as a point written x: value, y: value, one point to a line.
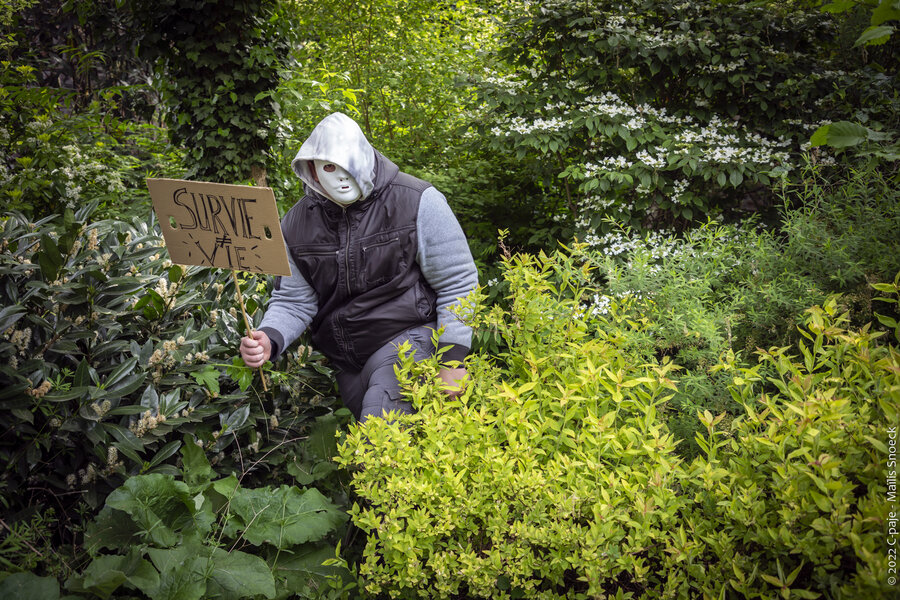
x: 377, y: 258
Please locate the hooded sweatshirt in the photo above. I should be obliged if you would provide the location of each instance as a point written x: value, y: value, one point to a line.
x: 443, y: 271
x: 338, y: 139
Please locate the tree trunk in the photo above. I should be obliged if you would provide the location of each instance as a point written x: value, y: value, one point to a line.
x: 258, y: 173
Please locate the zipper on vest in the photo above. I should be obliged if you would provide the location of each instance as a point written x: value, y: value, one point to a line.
x: 347, y: 251
x: 384, y: 243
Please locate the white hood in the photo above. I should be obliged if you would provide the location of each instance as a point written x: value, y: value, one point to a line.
x: 338, y: 139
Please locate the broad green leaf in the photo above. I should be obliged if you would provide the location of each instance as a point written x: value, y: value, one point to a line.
x: 874, y: 36
x: 119, y: 373
x: 111, y: 529
x: 820, y: 135
x: 157, y: 503
x: 184, y: 581
x: 29, y: 585
x: 10, y: 314
x: 844, y: 133
x: 322, y: 441
x: 105, y: 574
x: 305, y: 563
x: 165, y: 452
x: 886, y: 11
x: 208, y: 377
x: 839, y: 6
x: 235, y: 419
x: 238, y: 575
x: 224, y: 575
x: 194, y: 463
x: 284, y: 516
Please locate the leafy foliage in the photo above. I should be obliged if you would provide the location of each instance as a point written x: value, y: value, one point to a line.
x: 275, y: 537
x: 55, y: 159
x: 722, y: 287
x: 111, y: 354
x: 655, y: 112
x: 793, y: 496
x: 219, y: 64
x: 554, y: 475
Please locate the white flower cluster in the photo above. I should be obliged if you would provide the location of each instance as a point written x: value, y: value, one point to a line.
x: 636, y: 123
x: 599, y: 305
x: 19, y: 338
x: 146, y: 423
x: 617, y: 243
x: 40, y: 391
x: 165, y: 356
x: 654, y: 162
x: 200, y: 357
x: 598, y: 204
x: 523, y: 127
x: 80, y: 170
x: 609, y: 105
x: 166, y: 290
x: 678, y: 190
x: 93, y: 241
x: 510, y: 83
x: 724, y: 147
x: 101, y: 409
x: 607, y: 163
x: 615, y: 22
x: 725, y: 67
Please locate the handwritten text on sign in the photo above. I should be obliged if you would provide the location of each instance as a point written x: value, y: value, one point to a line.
x: 220, y: 225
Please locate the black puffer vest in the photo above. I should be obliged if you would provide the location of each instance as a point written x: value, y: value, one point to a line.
x: 361, y: 261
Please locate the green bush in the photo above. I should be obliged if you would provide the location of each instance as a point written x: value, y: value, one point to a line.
x: 111, y: 354
x: 555, y: 475
x: 206, y: 538
x: 56, y: 159
x: 655, y: 112
x: 497, y: 491
x: 792, y: 500
x: 742, y: 286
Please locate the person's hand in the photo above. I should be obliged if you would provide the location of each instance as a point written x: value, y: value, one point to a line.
x: 453, y: 380
x: 257, y: 349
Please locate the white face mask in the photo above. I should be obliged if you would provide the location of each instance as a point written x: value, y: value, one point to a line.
x: 337, y: 183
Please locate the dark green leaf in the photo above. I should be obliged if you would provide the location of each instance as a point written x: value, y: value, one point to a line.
x: 29, y: 585
x: 874, y: 36
x: 111, y: 529
x: 194, y: 463
x: 165, y: 452
x: 157, y: 503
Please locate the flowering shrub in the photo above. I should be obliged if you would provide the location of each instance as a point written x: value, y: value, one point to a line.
x: 54, y: 159
x: 554, y: 474
x: 654, y: 111
x: 111, y: 355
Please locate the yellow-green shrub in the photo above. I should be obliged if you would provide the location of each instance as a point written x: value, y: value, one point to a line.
x: 554, y: 474
x: 551, y: 473
x: 793, y: 500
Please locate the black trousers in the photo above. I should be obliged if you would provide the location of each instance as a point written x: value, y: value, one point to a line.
x: 374, y: 390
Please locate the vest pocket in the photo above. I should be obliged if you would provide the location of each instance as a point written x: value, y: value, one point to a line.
x: 383, y: 258
x: 318, y: 265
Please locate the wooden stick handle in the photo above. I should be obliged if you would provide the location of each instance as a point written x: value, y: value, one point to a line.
x: 240, y: 296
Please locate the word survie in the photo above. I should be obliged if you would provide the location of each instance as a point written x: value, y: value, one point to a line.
x: 214, y: 214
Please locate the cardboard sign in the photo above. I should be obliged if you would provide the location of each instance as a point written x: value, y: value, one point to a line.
x: 219, y: 225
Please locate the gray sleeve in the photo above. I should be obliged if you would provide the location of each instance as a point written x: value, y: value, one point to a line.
x: 290, y: 310
x: 446, y: 262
